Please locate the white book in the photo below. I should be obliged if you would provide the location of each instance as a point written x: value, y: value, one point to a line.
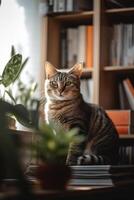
x: 81, y: 44
x: 84, y: 90
x: 90, y: 89
x: 61, y: 5
x: 69, y: 5
x: 72, y: 41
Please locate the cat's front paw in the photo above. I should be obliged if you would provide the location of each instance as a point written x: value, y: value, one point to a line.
x: 84, y: 160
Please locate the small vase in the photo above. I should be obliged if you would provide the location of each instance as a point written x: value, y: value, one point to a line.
x: 53, y: 176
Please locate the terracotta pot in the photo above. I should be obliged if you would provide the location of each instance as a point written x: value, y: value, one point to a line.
x: 53, y: 176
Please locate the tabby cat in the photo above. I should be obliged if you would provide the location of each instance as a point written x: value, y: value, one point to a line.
x: 65, y: 106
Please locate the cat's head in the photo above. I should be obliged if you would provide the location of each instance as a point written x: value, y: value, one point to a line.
x: 62, y: 84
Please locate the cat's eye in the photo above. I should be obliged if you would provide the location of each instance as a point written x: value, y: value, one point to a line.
x: 54, y: 84
x: 68, y: 83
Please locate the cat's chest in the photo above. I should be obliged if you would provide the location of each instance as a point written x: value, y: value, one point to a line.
x: 57, y: 113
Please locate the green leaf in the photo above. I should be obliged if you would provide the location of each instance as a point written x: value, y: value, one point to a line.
x: 12, y: 51
x: 12, y: 70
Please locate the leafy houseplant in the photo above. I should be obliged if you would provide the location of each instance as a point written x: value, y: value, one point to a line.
x: 52, y: 148
x: 10, y: 74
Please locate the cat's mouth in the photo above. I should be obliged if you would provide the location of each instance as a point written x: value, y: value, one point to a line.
x: 59, y: 97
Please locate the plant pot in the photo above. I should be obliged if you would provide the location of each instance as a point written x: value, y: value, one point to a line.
x: 53, y: 176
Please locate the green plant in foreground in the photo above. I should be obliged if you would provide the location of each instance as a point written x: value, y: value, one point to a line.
x: 53, y: 143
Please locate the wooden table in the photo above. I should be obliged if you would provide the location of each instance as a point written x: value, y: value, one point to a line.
x: 123, y: 191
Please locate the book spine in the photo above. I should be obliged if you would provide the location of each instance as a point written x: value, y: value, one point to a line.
x: 121, y: 117
x: 89, y: 46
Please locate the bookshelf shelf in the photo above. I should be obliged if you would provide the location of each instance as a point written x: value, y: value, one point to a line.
x: 119, y: 68
x: 120, y: 10
x: 126, y: 137
x: 74, y: 18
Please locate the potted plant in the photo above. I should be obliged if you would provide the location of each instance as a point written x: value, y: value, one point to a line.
x: 10, y: 74
x: 24, y: 100
x: 51, y: 148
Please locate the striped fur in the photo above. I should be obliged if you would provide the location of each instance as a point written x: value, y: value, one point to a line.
x: 65, y: 106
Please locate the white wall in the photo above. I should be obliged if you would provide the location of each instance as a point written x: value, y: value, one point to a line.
x: 20, y: 25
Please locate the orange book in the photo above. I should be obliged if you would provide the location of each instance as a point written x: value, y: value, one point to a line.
x: 124, y: 130
x: 89, y: 46
x: 121, y: 117
x: 123, y: 120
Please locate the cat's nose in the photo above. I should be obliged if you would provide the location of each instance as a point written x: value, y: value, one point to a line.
x: 61, y: 91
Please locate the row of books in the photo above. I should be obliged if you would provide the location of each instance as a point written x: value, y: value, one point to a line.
x: 126, y: 94
x: 126, y: 155
x: 55, y: 6
x: 101, y: 175
x: 122, y: 45
x: 77, y: 46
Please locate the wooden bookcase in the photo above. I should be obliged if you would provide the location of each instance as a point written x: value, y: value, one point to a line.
x: 105, y: 77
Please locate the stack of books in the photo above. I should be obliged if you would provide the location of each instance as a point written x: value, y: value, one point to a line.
x: 101, y: 175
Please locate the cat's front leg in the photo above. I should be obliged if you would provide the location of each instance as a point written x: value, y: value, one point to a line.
x: 92, y: 159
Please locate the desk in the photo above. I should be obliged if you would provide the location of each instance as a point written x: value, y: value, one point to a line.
x: 121, y: 192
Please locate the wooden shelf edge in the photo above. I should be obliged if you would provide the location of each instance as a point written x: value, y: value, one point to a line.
x: 118, y: 68
x: 119, y: 10
x: 69, y: 15
x: 126, y: 136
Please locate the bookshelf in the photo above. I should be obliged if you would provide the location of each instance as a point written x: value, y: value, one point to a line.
x: 103, y: 15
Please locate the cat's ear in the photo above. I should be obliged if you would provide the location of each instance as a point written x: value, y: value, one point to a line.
x: 77, y: 69
x: 50, y: 70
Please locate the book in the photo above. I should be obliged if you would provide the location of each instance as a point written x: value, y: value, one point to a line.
x: 123, y: 120
x: 69, y: 5
x: 101, y: 181
x: 125, y: 129
x: 89, y: 46
x: 81, y: 44
x: 102, y: 169
x: 101, y: 174
x: 72, y: 49
x: 81, y: 5
x: 121, y: 117
x: 123, y: 100
x: 129, y: 89
x: 119, y: 4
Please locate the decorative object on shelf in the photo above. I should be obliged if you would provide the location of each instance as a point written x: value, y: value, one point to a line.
x: 52, y: 149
